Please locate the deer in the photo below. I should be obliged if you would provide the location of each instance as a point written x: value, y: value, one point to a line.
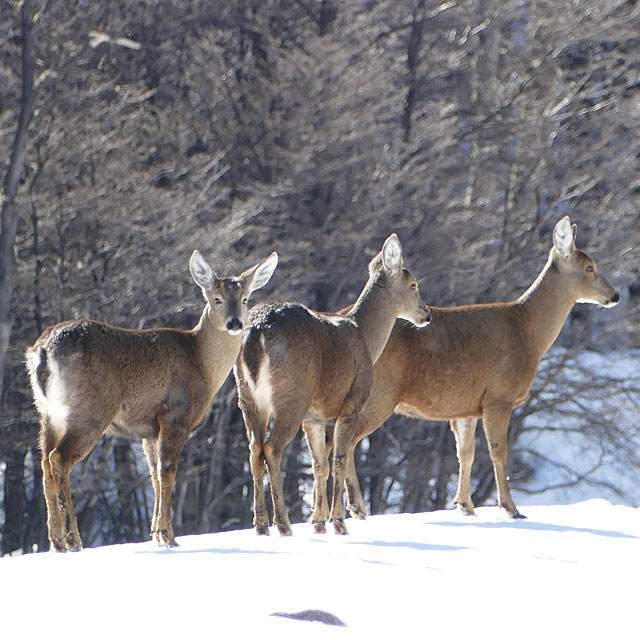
x: 89, y: 378
x: 295, y: 362
x: 474, y: 361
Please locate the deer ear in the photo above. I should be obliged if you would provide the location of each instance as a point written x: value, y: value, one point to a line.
x: 564, y: 237
x: 259, y: 275
x: 392, y: 255
x: 201, y: 272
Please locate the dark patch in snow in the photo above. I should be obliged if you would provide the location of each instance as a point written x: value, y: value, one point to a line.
x: 312, y: 615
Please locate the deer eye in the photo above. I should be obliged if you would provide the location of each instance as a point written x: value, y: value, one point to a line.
x: 218, y: 300
x: 588, y: 268
x: 413, y: 286
x: 245, y: 300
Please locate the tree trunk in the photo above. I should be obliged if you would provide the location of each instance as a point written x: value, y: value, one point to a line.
x: 9, y: 212
x: 14, y: 502
x: 413, y: 52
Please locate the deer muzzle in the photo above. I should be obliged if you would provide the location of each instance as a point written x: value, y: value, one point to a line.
x: 234, y: 326
x: 613, y: 301
x: 424, y: 317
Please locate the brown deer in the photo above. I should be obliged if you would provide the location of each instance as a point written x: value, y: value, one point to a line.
x: 295, y: 362
x: 155, y: 384
x: 475, y: 361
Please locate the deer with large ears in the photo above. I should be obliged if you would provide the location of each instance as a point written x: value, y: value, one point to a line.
x: 475, y: 361
x: 295, y: 362
x: 156, y: 384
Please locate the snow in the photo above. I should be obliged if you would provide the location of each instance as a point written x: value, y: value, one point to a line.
x: 566, y: 571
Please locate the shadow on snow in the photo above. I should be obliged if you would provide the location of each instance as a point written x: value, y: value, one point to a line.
x: 535, y: 526
x: 181, y: 551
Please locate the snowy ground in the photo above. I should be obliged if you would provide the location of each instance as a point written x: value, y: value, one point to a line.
x: 566, y: 572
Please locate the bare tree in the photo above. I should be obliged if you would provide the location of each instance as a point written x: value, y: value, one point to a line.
x: 469, y: 128
x: 29, y: 20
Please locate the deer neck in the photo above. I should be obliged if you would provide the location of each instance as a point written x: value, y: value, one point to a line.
x: 547, y: 303
x: 375, y: 315
x: 217, y: 350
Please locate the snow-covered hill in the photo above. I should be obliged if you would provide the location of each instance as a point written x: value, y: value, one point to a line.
x: 566, y: 572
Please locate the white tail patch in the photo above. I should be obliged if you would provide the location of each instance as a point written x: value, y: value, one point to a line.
x: 33, y: 359
x: 261, y: 389
x: 53, y: 402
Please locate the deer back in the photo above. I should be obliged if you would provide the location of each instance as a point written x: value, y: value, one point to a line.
x: 311, y: 354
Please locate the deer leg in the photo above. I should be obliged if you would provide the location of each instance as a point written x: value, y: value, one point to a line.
x: 170, y: 444
x: 495, y: 419
x: 284, y: 430
x: 355, y: 500
x: 150, y: 448
x: 346, y: 426
x: 320, y: 440
x: 255, y: 423
x: 464, y: 430
x: 73, y: 446
x: 51, y: 490
x: 273, y: 453
x: 378, y: 407
x: 73, y: 541
x: 58, y: 471
x: 337, y: 504
x: 256, y: 463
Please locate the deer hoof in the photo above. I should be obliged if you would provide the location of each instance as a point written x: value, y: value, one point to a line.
x: 285, y: 530
x: 162, y: 537
x: 339, y: 527
x: 319, y: 526
x: 357, y: 512
x: 465, y: 509
x: 72, y: 542
x: 57, y: 546
x: 262, y: 529
x: 514, y: 514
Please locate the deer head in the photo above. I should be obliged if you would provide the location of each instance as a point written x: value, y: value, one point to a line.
x: 228, y: 298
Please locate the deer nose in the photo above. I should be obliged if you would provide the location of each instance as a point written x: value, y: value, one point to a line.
x: 235, y: 324
x: 426, y: 315
x: 615, y: 299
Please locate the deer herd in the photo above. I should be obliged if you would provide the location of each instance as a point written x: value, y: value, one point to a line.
x: 339, y: 376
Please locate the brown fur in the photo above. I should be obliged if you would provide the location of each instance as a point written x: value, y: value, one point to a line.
x: 295, y: 362
x: 157, y: 384
x: 471, y: 362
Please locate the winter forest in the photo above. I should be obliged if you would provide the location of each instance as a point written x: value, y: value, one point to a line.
x: 132, y: 133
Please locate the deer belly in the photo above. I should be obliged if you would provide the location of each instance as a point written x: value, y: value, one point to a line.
x: 133, y: 421
x: 132, y: 430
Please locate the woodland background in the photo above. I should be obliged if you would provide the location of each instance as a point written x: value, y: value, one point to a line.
x: 134, y: 132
